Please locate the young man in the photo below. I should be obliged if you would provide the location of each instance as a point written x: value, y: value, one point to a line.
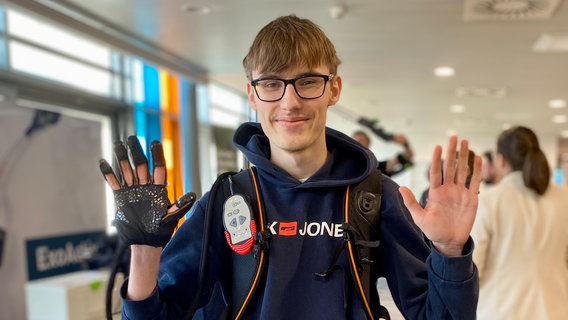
x: 303, y: 171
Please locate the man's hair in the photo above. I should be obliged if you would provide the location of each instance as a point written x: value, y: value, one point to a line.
x: 290, y: 41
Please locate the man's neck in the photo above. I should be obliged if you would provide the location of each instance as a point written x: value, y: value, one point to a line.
x: 301, y: 165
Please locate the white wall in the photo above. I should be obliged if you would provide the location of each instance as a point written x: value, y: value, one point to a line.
x: 50, y: 185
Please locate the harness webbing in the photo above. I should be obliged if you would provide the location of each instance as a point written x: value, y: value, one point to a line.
x: 259, y: 217
x: 361, y: 226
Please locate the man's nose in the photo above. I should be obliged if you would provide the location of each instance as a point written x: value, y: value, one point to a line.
x: 290, y: 98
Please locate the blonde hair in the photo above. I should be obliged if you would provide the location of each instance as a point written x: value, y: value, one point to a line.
x: 290, y: 41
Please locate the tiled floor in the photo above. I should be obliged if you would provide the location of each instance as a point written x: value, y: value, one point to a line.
x: 387, y: 301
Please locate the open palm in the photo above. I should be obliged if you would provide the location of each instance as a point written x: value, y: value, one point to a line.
x: 448, y: 217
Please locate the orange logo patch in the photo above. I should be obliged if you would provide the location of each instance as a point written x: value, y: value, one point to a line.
x: 288, y: 228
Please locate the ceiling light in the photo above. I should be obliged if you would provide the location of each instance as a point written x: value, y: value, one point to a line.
x: 490, y: 92
x: 479, y: 10
x: 337, y: 11
x: 506, y: 126
x: 557, y: 103
x: 559, y: 118
x: 549, y: 43
x: 444, y: 71
x: 195, y: 9
x: 457, y: 108
x: 564, y: 134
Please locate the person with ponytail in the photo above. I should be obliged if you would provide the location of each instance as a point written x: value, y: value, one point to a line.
x: 521, y: 235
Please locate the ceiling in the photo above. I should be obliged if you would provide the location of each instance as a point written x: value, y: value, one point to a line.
x: 388, y: 49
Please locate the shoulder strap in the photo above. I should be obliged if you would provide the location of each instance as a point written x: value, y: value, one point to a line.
x: 248, y: 270
x: 362, y: 226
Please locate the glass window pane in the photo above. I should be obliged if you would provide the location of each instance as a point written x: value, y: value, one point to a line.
x: 48, y: 65
x: 225, y: 98
x: 226, y: 107
x: 56, y: 39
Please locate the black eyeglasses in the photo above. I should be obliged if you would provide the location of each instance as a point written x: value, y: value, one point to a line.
x: 307, y: 87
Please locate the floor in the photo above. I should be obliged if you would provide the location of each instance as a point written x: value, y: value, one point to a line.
x: 387, y: 301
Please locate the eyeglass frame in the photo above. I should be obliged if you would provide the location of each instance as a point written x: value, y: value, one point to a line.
x: 325, y: 77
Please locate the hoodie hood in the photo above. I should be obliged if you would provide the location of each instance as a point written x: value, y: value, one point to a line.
x: 349, y: 162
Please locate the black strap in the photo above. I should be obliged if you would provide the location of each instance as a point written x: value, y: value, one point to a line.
x: 363, y: 232
x: 246, y: 267
x: 206, y: 239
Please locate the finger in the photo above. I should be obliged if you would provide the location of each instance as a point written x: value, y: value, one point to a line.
x: 450, y: 162
x: 122, y: 158
x: 413, y: 206
x: 109, y: 175
x: 158, y: 162
x: 476, y: 176
x: 142, y: 174
x: 435, y: 175
x: 183, y: 202
x: 462, y: 169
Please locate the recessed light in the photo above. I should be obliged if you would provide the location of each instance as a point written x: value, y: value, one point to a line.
x: 457, y: 108
x: 559, y: 118
x: 506, y: 126
x: 551, y: 43
x: 557, y: 103
x: 444, y: 71
x: 490, y: 92
x: 195, y: 9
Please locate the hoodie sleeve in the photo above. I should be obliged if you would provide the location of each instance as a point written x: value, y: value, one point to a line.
x: 177, y: 277
x: 424, y: 283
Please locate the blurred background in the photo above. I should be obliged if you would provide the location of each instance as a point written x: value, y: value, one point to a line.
x: 76, y: 75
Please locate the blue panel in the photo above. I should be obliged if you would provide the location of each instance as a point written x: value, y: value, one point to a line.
x: 2, y: 20
x: 152, y: 102
x: 186, y: 132
x: 3, y: 41
x: 559, y: 176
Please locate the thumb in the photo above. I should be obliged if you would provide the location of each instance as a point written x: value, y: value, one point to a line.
x: 183, y: 203
x: 186, y: 201
x: 410, y: 202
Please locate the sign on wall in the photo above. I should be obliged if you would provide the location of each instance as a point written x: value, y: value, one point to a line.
x: 58, y: 255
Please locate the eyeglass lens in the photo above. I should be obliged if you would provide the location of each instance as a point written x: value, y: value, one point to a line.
x: 310, y: 87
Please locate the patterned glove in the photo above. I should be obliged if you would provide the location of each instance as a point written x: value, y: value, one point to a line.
x: 144, y: 213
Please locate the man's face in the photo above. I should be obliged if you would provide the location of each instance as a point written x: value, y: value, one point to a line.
x: 294, y: 124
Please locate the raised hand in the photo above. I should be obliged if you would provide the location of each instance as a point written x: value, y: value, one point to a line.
x: 144, y: 213
x: 448, y: 217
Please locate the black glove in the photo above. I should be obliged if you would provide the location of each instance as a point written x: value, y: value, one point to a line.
x: 144, y: 214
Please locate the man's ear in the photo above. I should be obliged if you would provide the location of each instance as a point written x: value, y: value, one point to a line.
x: 335, y: 88
x: 251, y: 96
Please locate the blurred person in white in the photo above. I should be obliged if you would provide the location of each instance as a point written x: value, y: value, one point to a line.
x: 489, y: 172
x: 521, y: 236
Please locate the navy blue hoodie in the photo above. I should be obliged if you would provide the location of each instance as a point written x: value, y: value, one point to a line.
x: 304, y: 220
